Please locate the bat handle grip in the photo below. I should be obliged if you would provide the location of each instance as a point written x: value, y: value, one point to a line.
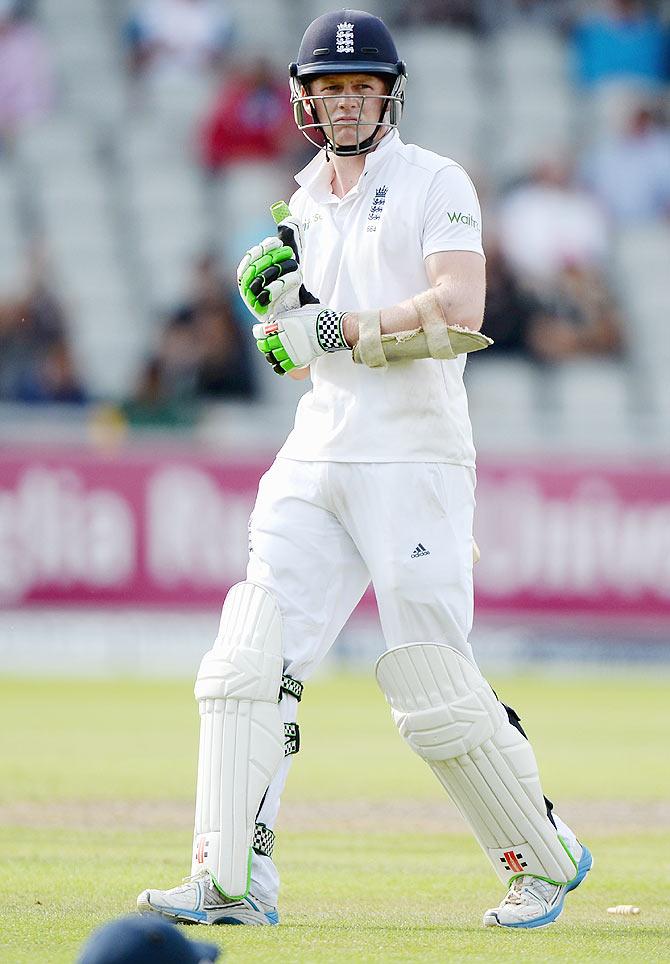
x: 280, y: 212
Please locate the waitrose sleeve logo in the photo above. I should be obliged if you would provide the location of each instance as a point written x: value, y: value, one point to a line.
x: 457, y: 217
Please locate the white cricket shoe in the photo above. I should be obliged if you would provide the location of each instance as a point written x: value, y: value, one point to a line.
x: 533, y: 902
x: 197, y: 901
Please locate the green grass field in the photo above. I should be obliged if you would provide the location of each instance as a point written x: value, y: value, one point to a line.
x: 96, y: 790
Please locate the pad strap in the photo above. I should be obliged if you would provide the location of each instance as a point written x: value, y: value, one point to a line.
x: 263, y: 840
x: 434, y: 324
x: 370, y: 339
x: 291, y: 738
x: 291, y: 686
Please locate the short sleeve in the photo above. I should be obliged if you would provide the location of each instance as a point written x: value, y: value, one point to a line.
x: 452, y: 217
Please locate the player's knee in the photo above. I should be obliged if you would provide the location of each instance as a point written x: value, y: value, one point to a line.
x: 246, y: 660
x: 402, y: 589
x: 459, y: 714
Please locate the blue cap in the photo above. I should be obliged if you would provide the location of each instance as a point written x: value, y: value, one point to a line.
x: 143, y: 940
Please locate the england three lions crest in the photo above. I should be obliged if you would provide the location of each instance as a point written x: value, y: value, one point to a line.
x: 377, y: 206
x: 344, y: 38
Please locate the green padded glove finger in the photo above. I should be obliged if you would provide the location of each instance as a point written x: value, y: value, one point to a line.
x: 282, y: 254
x: 249, y: 276
x: 265, y: 262
x: 280, y: 354
x: 255, y: 270
x: 275, y: 256
x: 272, y: 274
x: 274, y: 342
x: 253, y: 303
x: 279, y: 358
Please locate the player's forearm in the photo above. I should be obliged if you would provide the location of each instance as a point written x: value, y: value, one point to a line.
x: 459, y: 307
x: 298, y: 374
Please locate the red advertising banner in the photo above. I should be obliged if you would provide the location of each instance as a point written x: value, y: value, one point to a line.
x: 574, y: 539
x: 171, y: 528
x: 132, y: 529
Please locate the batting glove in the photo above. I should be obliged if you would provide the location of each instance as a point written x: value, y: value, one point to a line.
x: 267, y: 275
x: 294, y: 339
x: 270, y: 279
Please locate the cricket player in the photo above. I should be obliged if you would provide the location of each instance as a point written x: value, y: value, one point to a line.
x: 374, y: 288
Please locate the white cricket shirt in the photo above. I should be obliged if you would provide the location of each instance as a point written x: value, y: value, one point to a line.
x: 366, y: 251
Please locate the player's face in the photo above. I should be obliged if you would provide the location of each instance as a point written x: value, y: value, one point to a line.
x: 352, y: 106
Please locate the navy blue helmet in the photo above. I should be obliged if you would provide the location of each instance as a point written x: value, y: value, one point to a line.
x: 346, y: 42
x: 144, y: 939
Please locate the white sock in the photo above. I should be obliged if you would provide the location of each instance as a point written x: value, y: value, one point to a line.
x: 568, y: 835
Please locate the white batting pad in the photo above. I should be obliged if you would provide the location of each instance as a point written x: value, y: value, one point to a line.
x: 241, y: 733
x: 449, y: 715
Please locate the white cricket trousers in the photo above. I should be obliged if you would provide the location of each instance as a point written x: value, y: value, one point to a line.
x: 321, y: 531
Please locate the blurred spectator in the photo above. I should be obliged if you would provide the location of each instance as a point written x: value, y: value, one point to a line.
x: 576, y: 317
x: 177, y: 36
x: 463, y: 14
x: 224, y: 347
x: 251, y: 119
x: 629, y: 173
x: 35, y: 359
x: 483, y: 15
x: 623, y: 40
x: 203, y: 354
x: 52, y: 377
x: 571, y: 315
x: 554, y: 237
x: 165, y: 395
x: 509, y: 308
x: 548, y: 223
x: 26, y: 79
x: 501, y: 14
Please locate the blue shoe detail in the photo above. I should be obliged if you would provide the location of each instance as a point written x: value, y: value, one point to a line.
x: 194, y: 916
x: 583, y: 867
x: 271, y: 916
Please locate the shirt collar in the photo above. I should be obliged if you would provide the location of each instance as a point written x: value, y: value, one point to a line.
x: 315, y: 178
